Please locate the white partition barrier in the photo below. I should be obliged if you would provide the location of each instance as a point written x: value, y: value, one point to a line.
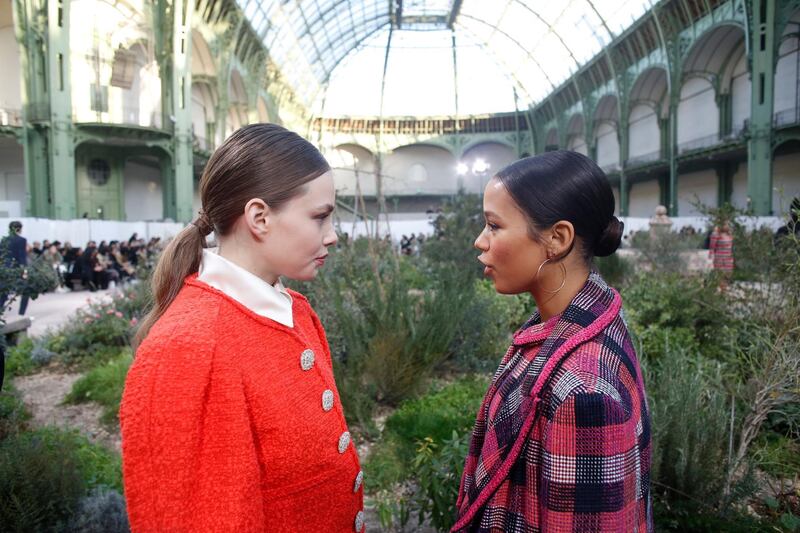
x: 79, y: 232
x: 700, y: 223
x: 420, y: 223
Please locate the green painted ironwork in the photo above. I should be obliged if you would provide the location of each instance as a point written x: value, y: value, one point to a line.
x: 762, y: 68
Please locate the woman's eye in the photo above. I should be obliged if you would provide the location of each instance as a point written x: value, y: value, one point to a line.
x: 492, y: 227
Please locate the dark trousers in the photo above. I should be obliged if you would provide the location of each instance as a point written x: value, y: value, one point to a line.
x: 23, y: 304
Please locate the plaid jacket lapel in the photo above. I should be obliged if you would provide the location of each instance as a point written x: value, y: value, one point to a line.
x: 493, y: 450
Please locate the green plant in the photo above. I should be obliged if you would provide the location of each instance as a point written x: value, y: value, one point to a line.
x: 690, y: 453
x: 103, y: 384
x: 96, y: 335
x: 484, y: 331
x: 777, y: 454
x: 615, y: 269
x: 436, y: 415
x: 18, y: 359
x: 102, y: 511
x: 691, y: 517
x: 13, y: 414
x: 438, y: 469
x: 388, y: 337
x: 455, y: 230
x: 40, y: 483
x: 661, y: 251
x: 660, y: 303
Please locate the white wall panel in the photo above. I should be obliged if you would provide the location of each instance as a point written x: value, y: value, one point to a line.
x: 740, y: 94
x: 607, y: 145
x: 143, y: 192
x: 698, y: 115
x: 645, y: 137
x: 643, y: 199
x: 694, y: 187
x: 12, y: 172
x: 739, y: 192
x: 786, y: 77
x: 403, y: 172
x: 9, y: 58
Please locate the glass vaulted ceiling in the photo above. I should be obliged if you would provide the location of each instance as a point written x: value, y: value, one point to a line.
x: 444, y: 56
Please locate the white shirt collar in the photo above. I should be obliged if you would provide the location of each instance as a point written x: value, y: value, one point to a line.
x: 271, y: 301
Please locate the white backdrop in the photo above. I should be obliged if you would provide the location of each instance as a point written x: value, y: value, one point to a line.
x: 79, y: 232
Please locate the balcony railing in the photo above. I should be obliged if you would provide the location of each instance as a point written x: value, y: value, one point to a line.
x: 787, y: 117
x: 738, y: 131
x: 423, y: 126
x: 643, y: 159
x: 10, y: 117
x: 610, y: 168
x: 699, y: 143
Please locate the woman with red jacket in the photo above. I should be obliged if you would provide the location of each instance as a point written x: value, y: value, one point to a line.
x: 230, y: 418
x: 562, y: 439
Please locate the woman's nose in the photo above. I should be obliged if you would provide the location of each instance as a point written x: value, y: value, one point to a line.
x: 480, y: 242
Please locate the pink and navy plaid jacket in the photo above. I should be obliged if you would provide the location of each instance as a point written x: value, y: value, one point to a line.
x: 562, y: 439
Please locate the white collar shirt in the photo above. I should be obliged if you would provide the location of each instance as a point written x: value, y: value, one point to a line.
x: 270, y: 301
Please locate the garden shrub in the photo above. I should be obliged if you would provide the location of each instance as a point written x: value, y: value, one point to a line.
x: 44, y: 473
x: 13, y: 414
x: 695, y: 517
x: 103, y: 384
x: 777, y: 454
x: 615, y: 269
x: 388, y: 337
x: 690, y: 453
x: 661, y: 253
x: 484, y: 332
x: 41, y: 483
x: 102, y: 511
x: 438, y: 469
x: 18, y: 359
x: 657, y: 303
x: 436, y: 415
x: 451, y: 248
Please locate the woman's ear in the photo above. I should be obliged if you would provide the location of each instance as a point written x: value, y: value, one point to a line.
x: 562, y: 235
x: 257, y: 217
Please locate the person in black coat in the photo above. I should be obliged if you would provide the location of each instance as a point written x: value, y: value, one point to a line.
x: 793, y: 225
x: 15, y: 247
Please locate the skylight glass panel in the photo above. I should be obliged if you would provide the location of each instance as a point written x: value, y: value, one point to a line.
x: 531, y: 44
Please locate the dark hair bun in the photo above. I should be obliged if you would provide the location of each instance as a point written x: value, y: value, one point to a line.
x: 609, y: 240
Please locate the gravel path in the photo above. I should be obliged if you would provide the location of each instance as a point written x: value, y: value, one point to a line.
x: 43, y: 394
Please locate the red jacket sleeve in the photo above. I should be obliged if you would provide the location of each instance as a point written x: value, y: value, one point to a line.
x: 591, y: 469
x: 189, y: 457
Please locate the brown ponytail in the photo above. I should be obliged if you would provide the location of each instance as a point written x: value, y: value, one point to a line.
x: 258, y: 161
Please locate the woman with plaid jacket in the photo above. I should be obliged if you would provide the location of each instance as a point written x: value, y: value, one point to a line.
x: 562, y: 439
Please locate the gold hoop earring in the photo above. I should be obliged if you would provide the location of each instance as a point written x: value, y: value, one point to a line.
x: 563, y: 272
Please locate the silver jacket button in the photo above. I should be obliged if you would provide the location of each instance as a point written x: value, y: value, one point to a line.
x: 307, y: 359
x: 327, y: 400
x: 344, y: 441
x: 359, y: 479
x: 359, y: 521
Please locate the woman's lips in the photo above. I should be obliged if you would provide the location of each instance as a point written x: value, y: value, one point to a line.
x: 320, y: 260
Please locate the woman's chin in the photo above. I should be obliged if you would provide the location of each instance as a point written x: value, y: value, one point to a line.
x: 305, y: 275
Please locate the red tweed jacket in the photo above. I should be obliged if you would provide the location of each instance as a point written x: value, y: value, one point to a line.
x: 231, y: 422
x: 562, y: 440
